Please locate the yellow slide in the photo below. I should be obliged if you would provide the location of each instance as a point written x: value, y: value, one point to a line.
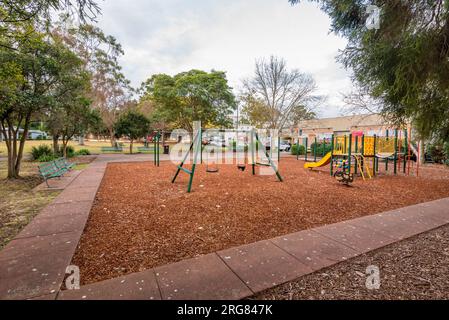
x: 323, y: 162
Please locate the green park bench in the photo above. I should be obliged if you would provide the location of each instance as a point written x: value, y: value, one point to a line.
x: 50, y: 170
x: 62, y: 163
x: 145, y: 149
x: 112, y: 149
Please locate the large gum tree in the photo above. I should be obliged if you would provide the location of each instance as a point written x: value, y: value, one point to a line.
x: 404, y: 64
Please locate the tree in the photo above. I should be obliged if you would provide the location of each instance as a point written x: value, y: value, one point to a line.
x: 79, y: 118
x: 30, y: 10
x: 16, y: 13
x: 254, y: 112
x: 110, y: 90
x: 279, y: 90
x: 70, y: 113
x: 38, y: 65
x: 68, y: 120
x: 404, y: 64
x: 190, y: 96
x: 134, y: 125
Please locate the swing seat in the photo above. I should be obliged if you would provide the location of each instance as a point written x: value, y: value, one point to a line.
x: 241, y: 167
x: 212, y: 170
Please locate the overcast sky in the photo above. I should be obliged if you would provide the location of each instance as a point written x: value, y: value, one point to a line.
x: 170, y: 36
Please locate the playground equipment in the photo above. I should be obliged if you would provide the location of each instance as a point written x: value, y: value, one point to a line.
x: 319, y: 147
x: 196, y: 148
x: 211, y: 166
x: 323, y: 162
x: 364, y: 154
x: 155, y: 137
x: 342, y: 174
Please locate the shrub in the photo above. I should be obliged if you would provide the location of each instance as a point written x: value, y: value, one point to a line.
x: 234, y: 147
x: 46, y: 158
x: 321, y: 148
x: 437, y: 153
x: 295, y: 151
x: 83, y: 152
x: 446, y: 153
x: 70, y: 152
x: 41, y: 150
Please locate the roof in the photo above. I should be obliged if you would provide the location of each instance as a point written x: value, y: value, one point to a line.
x: 343, y: 123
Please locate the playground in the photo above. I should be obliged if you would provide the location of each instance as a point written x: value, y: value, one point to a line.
x: 141, y: 220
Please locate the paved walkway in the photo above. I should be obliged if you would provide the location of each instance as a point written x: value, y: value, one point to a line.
x: 32, y: 266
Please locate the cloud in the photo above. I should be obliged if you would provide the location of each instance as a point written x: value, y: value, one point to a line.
x: 170, y: 36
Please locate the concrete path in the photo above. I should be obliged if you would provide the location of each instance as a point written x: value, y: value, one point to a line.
x: 33, y: 265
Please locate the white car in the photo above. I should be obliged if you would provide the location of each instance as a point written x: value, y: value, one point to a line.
x: 37, y: 134
x: 284, y: 146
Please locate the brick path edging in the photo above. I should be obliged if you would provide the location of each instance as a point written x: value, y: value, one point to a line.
x: 32, y: 266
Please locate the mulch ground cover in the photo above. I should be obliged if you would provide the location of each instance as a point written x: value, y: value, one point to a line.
x: 140, y: 220
x: 412, y: 269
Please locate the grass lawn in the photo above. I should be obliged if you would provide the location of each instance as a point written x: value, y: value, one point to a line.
x: 93, y: 146
x: 18, y: 203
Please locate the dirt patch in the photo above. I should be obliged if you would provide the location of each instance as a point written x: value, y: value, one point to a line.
x: 411, y: 269
x: 140, y: 220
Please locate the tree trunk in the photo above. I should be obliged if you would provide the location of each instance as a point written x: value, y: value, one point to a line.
x: 163, y: 138
x: 55, y: 144
x: 112, y: 137
x: 81, y: 140
x: 131, y: 147
x: 64, y: 148
x: 422, y: 152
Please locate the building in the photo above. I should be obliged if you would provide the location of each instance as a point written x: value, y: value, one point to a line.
x: 371, y: 124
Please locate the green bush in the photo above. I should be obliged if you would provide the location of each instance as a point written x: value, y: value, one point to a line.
x: 437, y: 153
x: 295, y: 150
x: 234, y: 146
x: 83, y: 152
x: 321, y: 148
x: 41, y: 150
x: 446, y: 153
x: 47, y: 158
x: 70, y: 151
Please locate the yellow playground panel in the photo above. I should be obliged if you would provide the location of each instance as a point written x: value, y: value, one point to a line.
x: 386, y: 146
x: 340, y: 145
x: 368, y: 146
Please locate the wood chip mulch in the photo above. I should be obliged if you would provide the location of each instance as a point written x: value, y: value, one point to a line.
x: 413, y: 269
x: 140, y: 220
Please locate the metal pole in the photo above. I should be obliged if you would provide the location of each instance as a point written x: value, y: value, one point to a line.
x: 297, y: 149
x: 279, y: 149
x: 386, y: 160
x: 375, y: 159
x: 395, y: 151
x: 405, y: 150
x: 154, y: 150
x: 356, y: 150
x: 314, y: 150
x: 252, y: 152
x: 349, y: 153
x: 307, y: 145
x: 332, y: 156
x: 196, y: 150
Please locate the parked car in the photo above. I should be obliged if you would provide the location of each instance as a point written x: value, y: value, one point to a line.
x: 285, y: 146
x: 37, y: 135
x: 217, y: 142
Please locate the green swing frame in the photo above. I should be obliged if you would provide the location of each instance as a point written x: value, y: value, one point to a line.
x: 196, y: 146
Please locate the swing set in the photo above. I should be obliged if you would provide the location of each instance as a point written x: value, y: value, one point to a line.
x: 196, y: 147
